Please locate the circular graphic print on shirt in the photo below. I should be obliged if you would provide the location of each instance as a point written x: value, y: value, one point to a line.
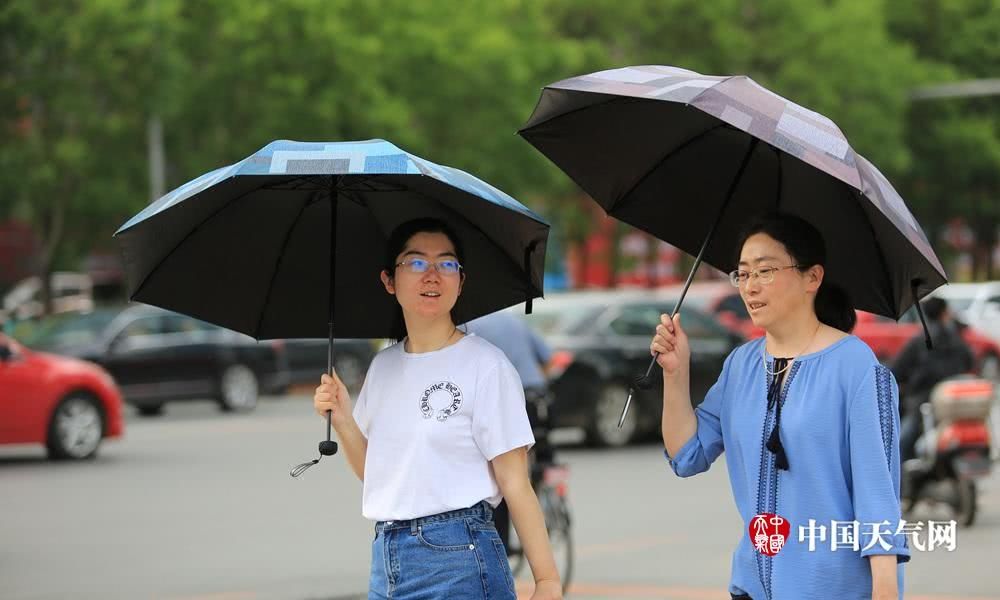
x: 444, y: 396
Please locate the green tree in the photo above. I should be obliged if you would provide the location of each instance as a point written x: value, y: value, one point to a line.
x: 955, y: 142
x: 71, y: 153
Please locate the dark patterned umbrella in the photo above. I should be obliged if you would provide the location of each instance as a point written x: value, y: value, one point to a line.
x: 691, y: 158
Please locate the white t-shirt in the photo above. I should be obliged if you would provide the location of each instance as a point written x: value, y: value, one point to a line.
x: 433, y: 422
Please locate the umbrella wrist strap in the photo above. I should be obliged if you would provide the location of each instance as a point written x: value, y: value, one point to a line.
x: 301, y: 468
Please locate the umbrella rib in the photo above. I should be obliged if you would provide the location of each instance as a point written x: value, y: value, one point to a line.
x: 611, y: 98
x: 885, y: 267
x: 187, y: 235
x: 660, y: 162
x: 781, y: 178
x: 277, y: 267
x: 878, y: 246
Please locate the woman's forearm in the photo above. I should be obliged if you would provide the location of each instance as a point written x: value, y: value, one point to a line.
x: 355, y: 447
x: 884, y: 583
x: 529, y: 523
x: 679, y: 422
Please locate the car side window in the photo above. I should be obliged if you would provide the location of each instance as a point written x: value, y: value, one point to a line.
x: 142, y: 326
x: 699, y: 325
x: 636, y: 320
x: 641, y: 320
x: 137, y: 333
x: 187, y: 327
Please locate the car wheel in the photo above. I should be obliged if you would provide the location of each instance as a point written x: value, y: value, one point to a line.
x: 150, y: 410
x: 76, y: 428
x: 989, y: 368
x: 350, y: 370
x: 604, y: 430
x: 238, y: 389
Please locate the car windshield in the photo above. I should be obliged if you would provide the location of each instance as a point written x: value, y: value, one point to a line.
x: 70, y: 329
x: 563, y: 318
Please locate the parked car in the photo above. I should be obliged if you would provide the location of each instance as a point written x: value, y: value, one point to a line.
x: 157, y: 356
x: 977, y: 304
x: 307, y: 359
x: 67, y: 405
x: 601, y: 343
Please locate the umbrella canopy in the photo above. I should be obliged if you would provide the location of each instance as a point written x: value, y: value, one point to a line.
x: 275, y: 244
x: 681, y: 155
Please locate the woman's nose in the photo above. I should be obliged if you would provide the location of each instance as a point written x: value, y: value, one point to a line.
x: 431, y: 274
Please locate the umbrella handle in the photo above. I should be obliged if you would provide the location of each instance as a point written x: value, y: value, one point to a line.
x: 646, y: 381
x: 328, y: 447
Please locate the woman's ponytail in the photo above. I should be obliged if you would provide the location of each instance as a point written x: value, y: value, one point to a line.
x: 834, y: 308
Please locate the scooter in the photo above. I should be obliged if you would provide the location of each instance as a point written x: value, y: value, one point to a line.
x: 954, y: 449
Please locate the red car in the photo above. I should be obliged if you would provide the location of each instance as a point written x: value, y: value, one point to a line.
x: 66, y: 404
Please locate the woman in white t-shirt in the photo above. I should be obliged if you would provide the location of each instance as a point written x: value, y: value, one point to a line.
x: 438, y: 436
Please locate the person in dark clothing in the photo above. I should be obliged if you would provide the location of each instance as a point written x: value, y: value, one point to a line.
x: 918, y: 369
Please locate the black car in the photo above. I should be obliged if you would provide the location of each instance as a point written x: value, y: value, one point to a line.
x: 601, y: 342
x: 157, y: 356
x: 307, y: 359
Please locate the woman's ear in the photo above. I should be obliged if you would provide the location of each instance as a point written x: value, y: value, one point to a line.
x: 388, y: 283
x: 814, y: 277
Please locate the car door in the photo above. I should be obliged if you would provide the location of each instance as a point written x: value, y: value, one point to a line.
x: 190, y: 355
x: 134, y: 357
x: 23, y: 407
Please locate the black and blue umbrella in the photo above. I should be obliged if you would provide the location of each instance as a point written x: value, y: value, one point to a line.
x: 290, y: 241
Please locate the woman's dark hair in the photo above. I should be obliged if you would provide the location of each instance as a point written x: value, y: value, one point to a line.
x: 397, y: 242
x: 805, y: 245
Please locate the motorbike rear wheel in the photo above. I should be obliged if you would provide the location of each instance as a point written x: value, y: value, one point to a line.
x: 965, y: 502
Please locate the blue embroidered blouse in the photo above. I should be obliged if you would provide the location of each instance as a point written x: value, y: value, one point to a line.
x: 839, y: 428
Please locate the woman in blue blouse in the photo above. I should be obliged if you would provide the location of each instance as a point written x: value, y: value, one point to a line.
x: 809, y: 422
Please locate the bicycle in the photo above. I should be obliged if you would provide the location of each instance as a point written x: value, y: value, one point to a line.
x: 550, y: 481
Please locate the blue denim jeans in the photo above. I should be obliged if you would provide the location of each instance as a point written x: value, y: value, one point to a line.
x: 452, y: 555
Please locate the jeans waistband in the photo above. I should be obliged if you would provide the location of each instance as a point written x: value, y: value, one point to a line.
x: 483, y: 510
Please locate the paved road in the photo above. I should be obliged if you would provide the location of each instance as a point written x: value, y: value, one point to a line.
x: 199, y: 506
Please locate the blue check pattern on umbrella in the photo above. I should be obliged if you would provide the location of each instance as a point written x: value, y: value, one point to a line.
x: 370, y: 157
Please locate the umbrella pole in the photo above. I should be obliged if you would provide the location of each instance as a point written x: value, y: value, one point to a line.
x: 646, y: 381
x: 329, y: 447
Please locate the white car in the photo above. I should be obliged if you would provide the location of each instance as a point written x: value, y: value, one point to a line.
x: 977, y: 304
